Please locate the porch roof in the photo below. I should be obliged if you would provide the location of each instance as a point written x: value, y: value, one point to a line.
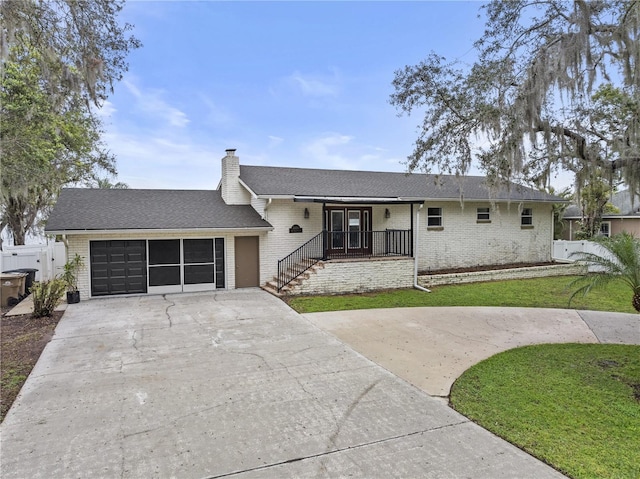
x: 306, y: 184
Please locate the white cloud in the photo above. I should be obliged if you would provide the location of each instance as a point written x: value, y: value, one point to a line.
x: 151, y: 103
x: 153, y: 161
x: 313, y: 86
x: 343, y: 152
x: 216, y: 115
x: 274, y: 141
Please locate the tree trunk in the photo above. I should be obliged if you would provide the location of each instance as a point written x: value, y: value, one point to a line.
x: 636, y: 301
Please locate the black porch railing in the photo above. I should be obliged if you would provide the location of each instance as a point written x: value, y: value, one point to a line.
x: 302, y: 259
x: 340, y: 245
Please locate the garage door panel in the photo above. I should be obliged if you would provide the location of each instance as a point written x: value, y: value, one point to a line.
x: 101, y: 258
x: 135, y: 271
x: 118, y: 267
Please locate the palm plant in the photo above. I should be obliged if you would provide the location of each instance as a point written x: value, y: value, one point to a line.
x: 620, y: 262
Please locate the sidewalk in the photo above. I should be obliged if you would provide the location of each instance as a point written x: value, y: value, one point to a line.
x: 26, y: 307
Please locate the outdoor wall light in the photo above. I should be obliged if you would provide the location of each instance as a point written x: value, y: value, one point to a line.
x: 387, y: 213
x: 306, y: 213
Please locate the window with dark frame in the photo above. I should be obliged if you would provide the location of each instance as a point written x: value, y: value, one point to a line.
x: 526, y: 219
x: 483, y: 215
x: 434, y: 217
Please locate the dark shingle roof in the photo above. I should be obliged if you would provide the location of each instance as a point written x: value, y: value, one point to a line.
x: 302, y: 182
x: 80, y: 209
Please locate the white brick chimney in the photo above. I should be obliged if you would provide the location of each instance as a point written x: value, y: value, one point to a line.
x: 232, y: 192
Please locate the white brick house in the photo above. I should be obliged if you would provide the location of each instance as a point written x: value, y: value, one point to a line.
x: 299, y: 230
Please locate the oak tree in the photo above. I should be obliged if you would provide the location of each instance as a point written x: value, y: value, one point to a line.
x: 555, y: 87
x: 59, y: 60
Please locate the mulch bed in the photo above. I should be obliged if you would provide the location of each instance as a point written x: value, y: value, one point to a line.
x: 474, y: 269
x: 22, y: 339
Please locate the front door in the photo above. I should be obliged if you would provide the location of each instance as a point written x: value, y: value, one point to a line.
x: 349, y: 231
x: 247, y: 261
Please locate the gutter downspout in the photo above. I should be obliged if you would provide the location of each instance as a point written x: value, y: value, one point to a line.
x: 415, y: 254
x: 264, y: 211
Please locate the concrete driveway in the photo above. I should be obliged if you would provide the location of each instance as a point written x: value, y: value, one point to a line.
x: 231, y: 384
x: 431, y: 347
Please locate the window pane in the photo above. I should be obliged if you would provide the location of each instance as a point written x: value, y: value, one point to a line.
x: 434, y: 216
x: 164, y: 275
x: 198, y: 251
x: 483, y: 214
x: 354, y: 229
x: 198, y: 274
x: 337, y: 226
x: 164, y: 252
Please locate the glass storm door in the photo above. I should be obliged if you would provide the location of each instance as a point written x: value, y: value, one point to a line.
x: 165, y: 275
x: 186, y: 265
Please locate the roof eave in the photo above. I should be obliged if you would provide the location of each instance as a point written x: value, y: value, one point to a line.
x: 248, y: 188
x: 156, y: 230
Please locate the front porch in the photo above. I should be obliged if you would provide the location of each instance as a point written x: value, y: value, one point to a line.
x: 354, y: 245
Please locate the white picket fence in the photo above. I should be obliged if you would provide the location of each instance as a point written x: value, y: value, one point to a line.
x: 48, y: 259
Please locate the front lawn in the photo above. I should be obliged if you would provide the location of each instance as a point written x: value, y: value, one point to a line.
x: 574, y: 406
x: 531, y: 293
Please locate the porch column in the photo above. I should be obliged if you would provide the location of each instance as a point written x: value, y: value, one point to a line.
x: 411, y: 235
x: 324, y: 232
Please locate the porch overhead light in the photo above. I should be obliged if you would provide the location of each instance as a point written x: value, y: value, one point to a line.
x: 387, y: 213
x: 306, y: 213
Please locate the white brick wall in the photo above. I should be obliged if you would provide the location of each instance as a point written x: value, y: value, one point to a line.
x: 282, y: 215
x: 233, y: 193
x: 352, y: 276
x: 465, y: 243
x: 462, y: 242
x: 429, y: 281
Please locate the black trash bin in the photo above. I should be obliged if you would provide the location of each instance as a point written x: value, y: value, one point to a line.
x: 31, y: 277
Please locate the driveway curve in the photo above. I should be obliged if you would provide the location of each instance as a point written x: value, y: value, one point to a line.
x: 432, y: 346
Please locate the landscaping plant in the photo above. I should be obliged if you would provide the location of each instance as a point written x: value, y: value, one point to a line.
x: 71, y: 270
x: 620, y: 262
x: 46, y: 296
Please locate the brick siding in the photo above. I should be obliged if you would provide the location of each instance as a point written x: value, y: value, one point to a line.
x: 357, y: 276
x: 429, y: 281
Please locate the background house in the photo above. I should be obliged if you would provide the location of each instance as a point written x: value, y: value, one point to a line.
x: 350, y: 230
x: 627, y: 217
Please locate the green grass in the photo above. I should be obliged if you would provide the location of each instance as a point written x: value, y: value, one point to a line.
x: 574, y: 406
x: 550, y: 292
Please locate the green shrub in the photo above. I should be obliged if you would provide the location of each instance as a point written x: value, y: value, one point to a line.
x: 46, y: 296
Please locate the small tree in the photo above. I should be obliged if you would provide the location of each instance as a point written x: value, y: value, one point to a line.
x: 594, y: 203
x: 621, y: 261
x: 46, y: 296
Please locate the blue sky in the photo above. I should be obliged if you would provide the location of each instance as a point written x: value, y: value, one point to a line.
x: 302, y: 84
